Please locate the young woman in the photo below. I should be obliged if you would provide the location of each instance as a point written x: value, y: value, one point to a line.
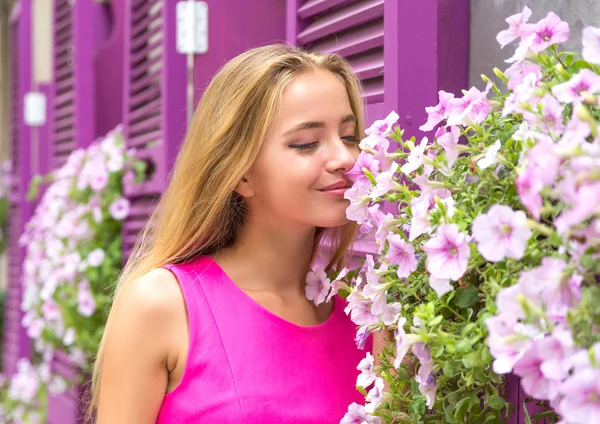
x: 210, y: 321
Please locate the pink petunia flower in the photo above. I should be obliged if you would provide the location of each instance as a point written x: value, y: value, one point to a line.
x: 359, y: 198
x: 501, y: 232
x: 586, y: 81
x: 86, y: 305
x: 375, y: 396
x: 386, y: 182
x: 581, y: 392
x: 529, y: 368
x: 449, y: 142
x: 591, y: 45
x: 529, y: 184
x: 490, y: 157
x: 383, y: 127
x: 415, y: 158
x: 119, y: 209
x: 545, y: 33
x: 585, y: 204
x: 514, y: 27
x: 358, y: 415
x: 472, y: 107
x: 447, y: 253
x: 317, y: 286
x: 441, y: 286
x: 402, y: 254
x: 365, y: 161
x: 436, y: 114
x: 519, y: 70
x: 96, y: 257
x: 367, y: 373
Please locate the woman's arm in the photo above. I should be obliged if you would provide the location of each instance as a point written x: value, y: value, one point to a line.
x: 139, y: 343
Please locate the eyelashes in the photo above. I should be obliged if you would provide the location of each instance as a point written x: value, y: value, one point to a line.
x: 310, y: 146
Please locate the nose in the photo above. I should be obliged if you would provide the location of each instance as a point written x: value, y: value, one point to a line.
x: 341, y: 156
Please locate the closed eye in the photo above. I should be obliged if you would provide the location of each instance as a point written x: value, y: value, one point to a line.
x: 351, y: 139
x: 303, y: 147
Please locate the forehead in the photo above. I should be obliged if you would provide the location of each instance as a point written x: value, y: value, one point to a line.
x: 313, y: 96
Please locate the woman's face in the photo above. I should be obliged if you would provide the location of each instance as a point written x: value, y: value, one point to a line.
x: 299, y: 176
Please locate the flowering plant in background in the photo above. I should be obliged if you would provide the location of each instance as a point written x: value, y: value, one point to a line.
x: 24, y: 396
x: 74, y: 250
x: 5, y: 170
x: 488, y: 250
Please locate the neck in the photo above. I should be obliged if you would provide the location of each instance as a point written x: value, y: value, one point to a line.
x: 269, y: 258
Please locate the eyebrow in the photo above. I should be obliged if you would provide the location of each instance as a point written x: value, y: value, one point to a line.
x: 316, y: 124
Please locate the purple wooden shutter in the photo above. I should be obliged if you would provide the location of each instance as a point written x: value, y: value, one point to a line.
x: 16, y: 342
x: 354, y: 29
x: 351, y: 28
x: 64, y: 135
x: 154, y: 102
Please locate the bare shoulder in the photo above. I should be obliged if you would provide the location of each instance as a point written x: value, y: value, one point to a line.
x: 140, y: 339
x: 156, y: 294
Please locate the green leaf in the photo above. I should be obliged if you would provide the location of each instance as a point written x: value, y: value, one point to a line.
x: 436, y: 321
x: 448, y: 369
x: 496, y: 402
x: 466, y: 296
x: 526, y: 413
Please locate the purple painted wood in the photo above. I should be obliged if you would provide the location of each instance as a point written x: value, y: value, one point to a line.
x: 16, y: 342
x: 64, y: 112
x: 354, y: 29
x: 426, y: 50
x: 154, y: 95
x: 88, y: 42
x: 108, y: 66
x: 233, y: 28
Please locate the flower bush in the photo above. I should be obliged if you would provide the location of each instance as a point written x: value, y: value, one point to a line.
x: 74, y: 250
x: 488, y: 236
x: 23, y: 397
x: 4, y: 195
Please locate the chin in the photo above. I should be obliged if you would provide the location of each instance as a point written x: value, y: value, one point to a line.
x: 332, y: 222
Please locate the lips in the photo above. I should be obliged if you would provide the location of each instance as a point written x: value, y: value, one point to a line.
x: 337, y: 186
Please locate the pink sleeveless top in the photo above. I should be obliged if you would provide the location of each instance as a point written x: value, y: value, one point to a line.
x: 248, y: 365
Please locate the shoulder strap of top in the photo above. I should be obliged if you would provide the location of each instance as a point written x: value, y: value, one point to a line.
x: 189, y: 277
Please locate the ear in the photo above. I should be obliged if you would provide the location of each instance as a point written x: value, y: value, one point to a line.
x: 244, y: 188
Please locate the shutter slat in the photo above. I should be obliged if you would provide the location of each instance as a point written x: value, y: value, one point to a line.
x: 141, y: 128
x: 142, y: 39
x: 373, y: 90
x: 63, y: 24
x: 144, y: 97
x: 66, y: 135
x: 153, y: 66
x: 142, y: 140
x: 64, y: 148
x: 343, y: 19
x: 63, y: 73
x: 65, y: 98
x: 141, y: 11
x: 312, y: 7
x: 351, y: 43
x: 146, y: 81
x: 149, y: 109
x: 63, y: 10
x: 65, y: 113
x: 65, y: 84
x: 152, y: 47
x: 368, y: 66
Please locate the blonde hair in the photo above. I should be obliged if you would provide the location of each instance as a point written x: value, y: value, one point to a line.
x: 200, y: 213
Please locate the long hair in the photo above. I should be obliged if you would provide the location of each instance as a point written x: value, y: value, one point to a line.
x: 199, y: 212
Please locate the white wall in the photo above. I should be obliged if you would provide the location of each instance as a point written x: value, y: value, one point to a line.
x: 487, y: 19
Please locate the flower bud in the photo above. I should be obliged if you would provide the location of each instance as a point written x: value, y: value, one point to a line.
x: 562, y: 71
x: 501, y: 75
x: 589, y: 98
